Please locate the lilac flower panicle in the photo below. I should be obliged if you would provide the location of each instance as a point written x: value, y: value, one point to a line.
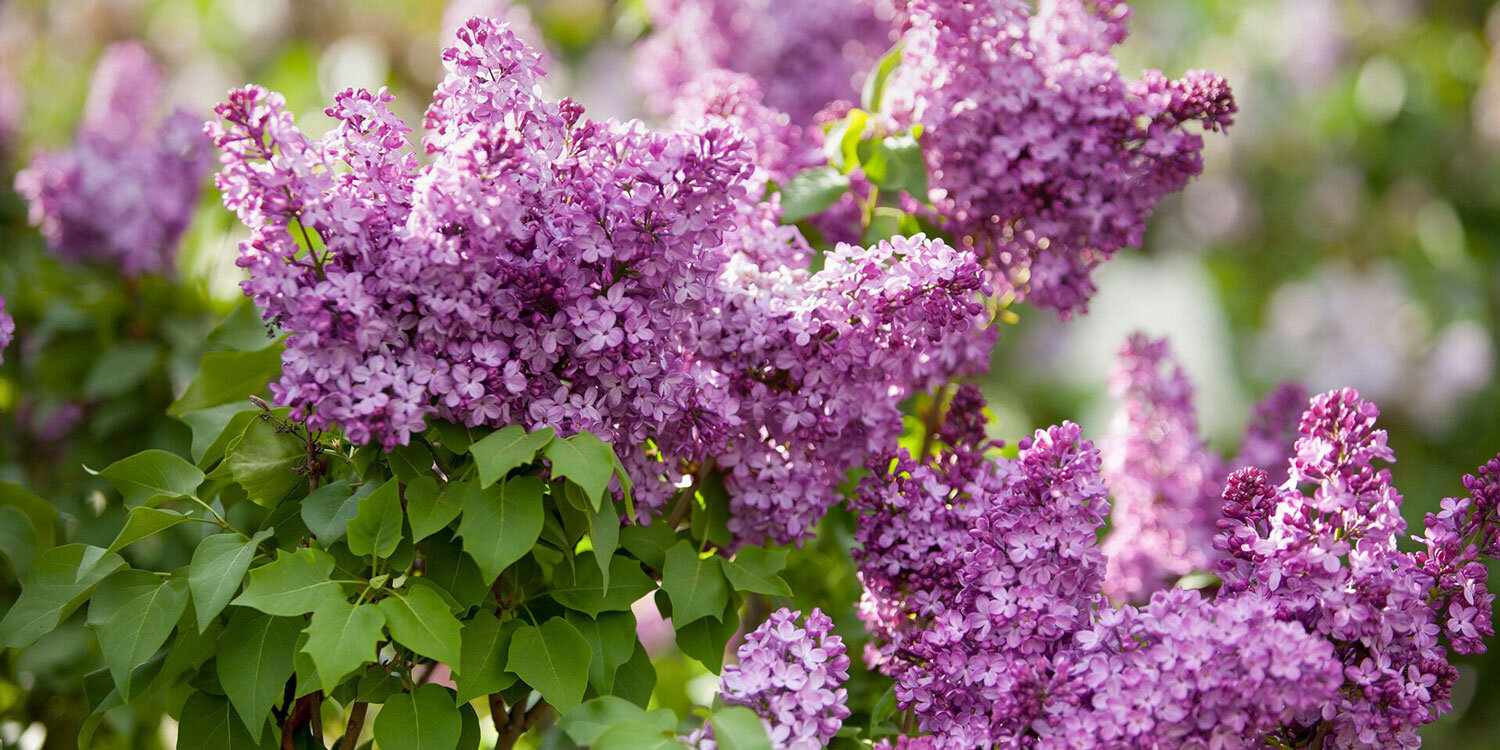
x: 1272, y: 430
x: 804, y: 53
x: 539, y: 272
x: 1009, y: 641
x: 551, y: 270
x: 7, y: 329
x: 1165, y: 481
x: 792, y: 676
x: 1323, y: 549
x: 1042, y: 156
x: 126, y: 191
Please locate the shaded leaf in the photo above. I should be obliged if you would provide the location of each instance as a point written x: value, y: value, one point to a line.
x: 150, y: 474
x: 554, y: 659
x: 133, y: 613
x: 421, y: 621
x: 143, y: 521
x: 264, y: 462
x: 228, y: 376
x: 254, y: 661
x: 61, y: 578
x: 376, y: 528
x: 755, y: 569
x: 341, y: 638
x: 294, y: 584
x: 429, y: 509
x: 696, y: 586
x: 584, y: 460
x: 425, y: 720
x: 611, y: 637
x: 581, y: 587
x: 499, y: 526
x: 218, y: 567
x: 505, y: 449
x: 482, y: 662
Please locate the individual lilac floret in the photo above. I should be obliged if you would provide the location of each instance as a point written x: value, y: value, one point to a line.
x: 7, y: 329
x: 1042, y: 156
x: 544, y: 270
x: 793, y: 677
x: 515, y: 14
x: 1165, y: 481
x: 804, y: 53
x: 124, y: 194
x: 1329, y: 560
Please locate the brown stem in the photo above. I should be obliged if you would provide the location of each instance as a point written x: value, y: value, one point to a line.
x: 355, y: 727
x: 685, y: 501
x: 517, y: 722
x: 296, y: 718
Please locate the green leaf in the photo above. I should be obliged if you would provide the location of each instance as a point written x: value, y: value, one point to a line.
x: 143, y: 521
x: 696, y: 586
x: 611, y: 636
x: 133, y: 612
x: 872, y: 96
x: 604, y: 534
x: 294, y: 584
x: 739, y: 728
x: 456, y: 437
x: 410, y: 461
x: 811, y: 192
x: 341, y: 638
x: 121, y: 369
x: 482, y: 658
x: 469, y: 737
x: 254, y: 662
x: 841, y: 143
x: 243, y: 329
x: 584, y: 460
x: 42, y: 514
x: 582, y: 587
x: 425, y: 720
x: 228, y: 376
x: 17, y: 540
x: 636, y: 681
x: 216, y: 427
x: 635, y: 735
x: 499, y: 526
x: 453, y: 572
x: 505, y: 449
x: 328, y: 509
x: 208, y: 723
x: 61, y: 578
x: 649, y: 544
x: 422, y: 622
x: 150, y: 474
x: 376, y: 528
x: 755, y: 569
x: 216, y: 571
x: 586, y: 723
x: 554, y: 659
x: 711, y: 511
x: 706, y: 638
x: 429, y: 508
x: 264, y: 462
x: 901, y: 166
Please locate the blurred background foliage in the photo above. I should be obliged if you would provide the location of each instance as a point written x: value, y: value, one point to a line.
x: 1347, y: 232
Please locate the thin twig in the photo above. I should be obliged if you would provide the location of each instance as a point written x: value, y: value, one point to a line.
x: 934, y: 422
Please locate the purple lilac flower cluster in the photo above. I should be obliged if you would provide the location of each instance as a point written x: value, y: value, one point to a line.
x: 1043, y: 158
x: 7, y: 329
x: 1322, y: 548
x: 124, y: 194
x: 540, y: 271
x: 793, y: 677
x: 551, y: 270
x: 1010, y: 641
x: 805, y: 53
x: 1165, y: 480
